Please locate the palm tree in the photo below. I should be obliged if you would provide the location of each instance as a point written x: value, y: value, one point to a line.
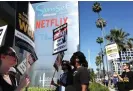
x: 120, y: 37
x: 127, y: 58
x: 98, y: 72
x: 98, y: 61
x: 99, y: 41
x: 130, y: 43
x: 97, y: 69
x: 100, y: 23
x: 97, y: 8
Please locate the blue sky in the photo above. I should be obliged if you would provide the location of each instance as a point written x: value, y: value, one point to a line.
x: 117, y: 14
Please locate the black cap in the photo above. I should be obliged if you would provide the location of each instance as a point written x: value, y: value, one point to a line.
x: 64, y: 62
x: 67, y: 63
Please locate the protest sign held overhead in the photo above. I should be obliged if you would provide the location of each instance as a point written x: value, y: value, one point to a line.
x: 60, y: 39
x: 2, y: 33
x: 26, y: 64
x: 112, y: 51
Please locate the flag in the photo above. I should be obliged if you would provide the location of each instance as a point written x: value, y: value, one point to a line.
x: 58, y: 60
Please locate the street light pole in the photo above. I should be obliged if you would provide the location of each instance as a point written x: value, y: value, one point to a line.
x: 89, y: 58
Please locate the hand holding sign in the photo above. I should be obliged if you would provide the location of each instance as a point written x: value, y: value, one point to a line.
x: 25, y: 81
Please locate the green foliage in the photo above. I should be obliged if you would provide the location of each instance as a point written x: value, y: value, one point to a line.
x: 39, y: 89
x: 99, y: 40
x: 120, y: 37
x: 98, y: 60
x: 97, y: 87
x: 100, y: 23
x: 92, y: 87
x: 92, y: 75
x: 96, y: 7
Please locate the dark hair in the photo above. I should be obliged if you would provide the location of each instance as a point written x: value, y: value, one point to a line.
x: 127, y: 64
x: 5, y: 49
x: 81, y: 59
x: 67, y: 63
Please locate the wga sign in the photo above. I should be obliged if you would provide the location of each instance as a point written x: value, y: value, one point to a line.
x: 45, y: 81
x: 50, y: 11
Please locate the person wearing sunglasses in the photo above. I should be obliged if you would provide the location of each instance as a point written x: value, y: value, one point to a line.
x: 126, y: 78
x: 8, y: 59
x: 66, y: 78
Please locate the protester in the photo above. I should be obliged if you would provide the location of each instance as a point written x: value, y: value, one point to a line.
x: 114, y: 81
x: 58, y: 88
x: 8, y: 59
x: 66, y: 79
x: 81, y: 74
x: 106, y: 81
x: 127, y: 78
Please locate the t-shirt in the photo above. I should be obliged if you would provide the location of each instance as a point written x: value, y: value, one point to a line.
x: 81, y: 76
x: 4, y: 86
x: 66, y: 79
x: 128, y: 80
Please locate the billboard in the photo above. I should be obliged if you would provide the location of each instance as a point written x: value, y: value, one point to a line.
x: 112, y: 51
x: 24, y: 32
x: 49, y: 16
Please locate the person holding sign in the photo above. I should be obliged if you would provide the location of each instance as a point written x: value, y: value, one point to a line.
x: 66, y: 79
x: 8, y: 59
x: 126, y: 78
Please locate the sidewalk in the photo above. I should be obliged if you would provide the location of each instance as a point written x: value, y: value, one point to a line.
x: 110, y: 89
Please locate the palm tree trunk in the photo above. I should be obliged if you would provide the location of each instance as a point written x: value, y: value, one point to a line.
x: 99, y: 15
x: 100, y: 69
x: 102, y: 53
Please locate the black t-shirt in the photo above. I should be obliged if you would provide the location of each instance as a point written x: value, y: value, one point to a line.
x: 4, y: 86
x: 128, y: 80
x: 66, y: 79
x: 81, y: 76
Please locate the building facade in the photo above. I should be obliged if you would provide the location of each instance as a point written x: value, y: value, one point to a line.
x: 127, y: 57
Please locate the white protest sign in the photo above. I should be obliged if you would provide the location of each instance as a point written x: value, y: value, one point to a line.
x: 112, y: 51
x: 60, y: 39
x: 2, y: 33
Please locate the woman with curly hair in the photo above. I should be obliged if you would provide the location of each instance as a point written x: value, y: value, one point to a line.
x: 81, y: 74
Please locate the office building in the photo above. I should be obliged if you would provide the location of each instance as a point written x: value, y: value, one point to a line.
x: 127, y: 57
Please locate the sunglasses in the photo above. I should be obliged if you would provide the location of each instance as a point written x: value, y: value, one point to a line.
x: 13, y: 54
